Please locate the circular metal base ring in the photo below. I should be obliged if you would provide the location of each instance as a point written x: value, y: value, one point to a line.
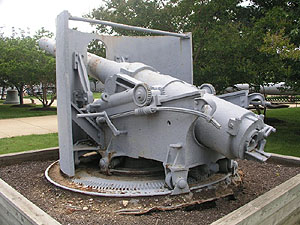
x: 108, y: 187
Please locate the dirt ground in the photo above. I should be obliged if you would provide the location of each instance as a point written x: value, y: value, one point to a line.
x: 71, y: 208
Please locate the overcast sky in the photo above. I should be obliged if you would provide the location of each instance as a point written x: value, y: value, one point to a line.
x: 35, y: 14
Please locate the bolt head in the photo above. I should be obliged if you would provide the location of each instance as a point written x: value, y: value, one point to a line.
x: 181, y: 183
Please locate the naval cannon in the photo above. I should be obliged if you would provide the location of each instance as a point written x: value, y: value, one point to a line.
x: 146, y: 121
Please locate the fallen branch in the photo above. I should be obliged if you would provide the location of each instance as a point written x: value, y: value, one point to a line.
x: 169, y: 208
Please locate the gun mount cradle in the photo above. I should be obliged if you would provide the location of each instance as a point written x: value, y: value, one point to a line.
x: 150, y: 133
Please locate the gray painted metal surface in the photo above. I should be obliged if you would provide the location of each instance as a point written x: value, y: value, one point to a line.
x: 145, y: 113
x: 167, y: 54
x: 106, y: 186
x: 270, y: 89
x: 244, y: 99
x: 128, y: 27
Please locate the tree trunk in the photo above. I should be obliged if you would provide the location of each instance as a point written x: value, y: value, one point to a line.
x: 45, y: 101
x: 21, y: 94
x: 3, y: 91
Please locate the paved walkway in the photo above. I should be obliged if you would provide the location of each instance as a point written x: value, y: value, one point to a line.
x: 28, y: 101
x: 28, y: 125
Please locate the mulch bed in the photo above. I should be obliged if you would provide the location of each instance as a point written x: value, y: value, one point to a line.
x: 71, y: 208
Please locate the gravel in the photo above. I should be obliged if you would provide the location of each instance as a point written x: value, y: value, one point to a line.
x: 72, y: 208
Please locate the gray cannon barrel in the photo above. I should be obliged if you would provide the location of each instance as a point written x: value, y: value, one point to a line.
x: 270, y: 89
x: 98, y: 67
x: 101, y: 69
x: 48, y: 45
x: 242, y: 133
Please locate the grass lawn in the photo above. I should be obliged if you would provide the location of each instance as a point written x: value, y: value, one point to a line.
x: 286, y: 140
x: 97, y: 95
x: 28, y: 142
x: 8, y: 111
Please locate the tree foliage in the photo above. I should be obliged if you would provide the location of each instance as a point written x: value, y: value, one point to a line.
x: 16, y: 61
x: 233, y: 42
x: 45, y: 72
x: 24, y: 65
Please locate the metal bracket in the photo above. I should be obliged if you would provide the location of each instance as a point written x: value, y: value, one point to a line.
x: 117, y: 81
x: 104, y: 118
x: 234, y: 126
x: 136, y: 68
x: 258, y: 153
x: 88, y: 125
x: 175, y: 170
x: 101, y: 118
x: 83, y: 76
x: 257, y: 99
x: 200, y: 104
x: 126, y: 81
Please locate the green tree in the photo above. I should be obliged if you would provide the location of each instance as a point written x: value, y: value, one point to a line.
x: 23, y: 65
x: 218, y: 40
x: 218, y: 44
x: 3, y: 77
x: 145, y: 13
x: 232, y: 43
x: 44, y: 72
x: 16, y: 61
x: 279, y: 22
